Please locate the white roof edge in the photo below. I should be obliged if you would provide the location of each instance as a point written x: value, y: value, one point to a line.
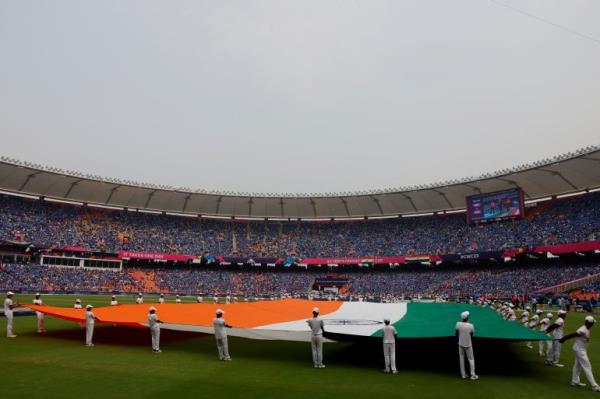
x: 562, y: 175
x: 405, y: 189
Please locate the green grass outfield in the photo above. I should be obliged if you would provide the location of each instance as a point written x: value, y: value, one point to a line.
x: 121, y: 365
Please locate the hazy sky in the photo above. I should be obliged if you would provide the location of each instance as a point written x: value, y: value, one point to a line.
x: 296, y: 96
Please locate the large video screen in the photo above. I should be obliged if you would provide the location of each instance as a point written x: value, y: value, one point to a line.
x: 495, y: 206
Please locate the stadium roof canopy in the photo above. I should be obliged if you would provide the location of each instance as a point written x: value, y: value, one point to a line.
x: 562, y: 175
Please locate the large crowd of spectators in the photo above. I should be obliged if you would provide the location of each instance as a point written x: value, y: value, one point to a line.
x: 18, y: 277
x: 562, y: 221
x: 500, y: 282
x: 243, y: 283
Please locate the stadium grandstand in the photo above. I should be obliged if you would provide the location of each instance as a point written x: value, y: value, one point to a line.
x: 103, y: 243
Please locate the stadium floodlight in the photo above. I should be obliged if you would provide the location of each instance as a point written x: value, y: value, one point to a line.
x: 413, y: 215
x: 571, y: 194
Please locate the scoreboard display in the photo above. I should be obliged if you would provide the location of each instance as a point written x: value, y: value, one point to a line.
x: 496, y: 206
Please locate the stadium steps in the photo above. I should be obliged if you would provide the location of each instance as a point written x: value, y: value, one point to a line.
x: 570, y: 285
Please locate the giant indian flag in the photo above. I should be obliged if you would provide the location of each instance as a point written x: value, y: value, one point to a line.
x: 286, y: 319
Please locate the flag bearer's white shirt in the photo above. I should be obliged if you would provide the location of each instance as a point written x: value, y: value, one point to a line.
x: 7, y: 304
x: 219, y: 326
x: 464, y: 333
x: 389, y: 335
x: 316, y: 326
x: 558, y: 332
x: 583, y: 338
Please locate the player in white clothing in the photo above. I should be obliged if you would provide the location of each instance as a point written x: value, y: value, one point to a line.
x: 161, y: 299
x: 77, y: 305
x: 525, y: 316
x: 389, y: 347
x: 199, y: 299
x: 556, y: 329
x: 113, y: 301
x: 464, y: 333
x: 90, y: 318
x: 544, y: 323
x: 41, y: 324
x: 154, y: 324
x: 140, y: 299
x: 533, y: 322
x: 220, y: 326
x: 177, y: 299
x: 511, y: 315
x: 8, y: 313
x: 317, y: 328
x: 582, y: 362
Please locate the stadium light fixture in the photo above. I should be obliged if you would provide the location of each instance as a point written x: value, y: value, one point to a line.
x: 115, y: 208
x: 59, y: 201
x: 187, y: 215
x: 455, y: 211
x: 534, y: 201
x: 570, y: 194
x: 216, y: 217
x: 149, y: 211
x: 34, y: 197
x: 416, y: 215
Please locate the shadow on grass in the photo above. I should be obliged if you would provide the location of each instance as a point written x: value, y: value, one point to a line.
x: 117, y: 335
x: 492, y: 357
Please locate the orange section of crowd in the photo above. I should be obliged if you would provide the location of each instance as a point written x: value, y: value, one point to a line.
x: 584, y: 296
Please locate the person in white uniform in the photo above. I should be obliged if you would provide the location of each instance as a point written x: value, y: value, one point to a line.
x: 41, y: 323
x: 199, y: 299
x: 215, y: 299
x: 582, y: 362
x: 389, y: 347
x: 317, y: 328
x: 511, y: 315
x: 220, y: 326
x: 177, y: 299
x: 161, y: 299
x: 227, y: 299
x: 544, y: 346
x: 77, y: 305
x: 90, y: 319
x: 525, y: 316
x: 113, y: 301
x: 8, y: 313
x: 154, y: 324
x: 533, y: 322
x: 556, y: 329
x: 140, y: 299
x: 464, y: 333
